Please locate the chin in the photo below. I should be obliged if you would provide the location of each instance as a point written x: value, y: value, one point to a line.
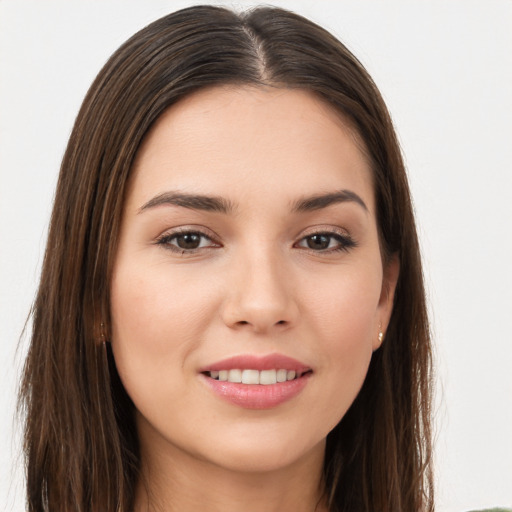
x: 263, y: 454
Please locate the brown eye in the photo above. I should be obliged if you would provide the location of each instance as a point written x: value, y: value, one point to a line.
x: 188, y: 241
x: 318, y: 242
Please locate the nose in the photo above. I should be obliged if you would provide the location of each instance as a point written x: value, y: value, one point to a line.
x: 260, y: 295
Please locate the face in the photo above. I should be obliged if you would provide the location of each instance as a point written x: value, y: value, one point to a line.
x: 248, y: 251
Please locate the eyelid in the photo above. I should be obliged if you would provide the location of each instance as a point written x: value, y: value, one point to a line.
x: 189, y: 228
x: 323, y: 229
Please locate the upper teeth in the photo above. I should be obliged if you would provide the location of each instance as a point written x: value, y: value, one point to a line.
x: 254, y: 376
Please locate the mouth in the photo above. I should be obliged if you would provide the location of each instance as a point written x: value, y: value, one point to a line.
x: 256, y: 377
x: 257, y: 382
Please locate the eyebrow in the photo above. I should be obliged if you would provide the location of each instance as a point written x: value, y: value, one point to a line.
x: 222, y: 205
x: 320, y: 201
x: 192, y: 201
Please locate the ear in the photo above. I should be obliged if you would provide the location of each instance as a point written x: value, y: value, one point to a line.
x: 390, y: 275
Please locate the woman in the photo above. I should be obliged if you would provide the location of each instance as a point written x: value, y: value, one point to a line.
x: 231, y: 312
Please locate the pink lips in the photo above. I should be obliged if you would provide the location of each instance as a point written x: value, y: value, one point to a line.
x: 259, y: 363
x: 258, y: 396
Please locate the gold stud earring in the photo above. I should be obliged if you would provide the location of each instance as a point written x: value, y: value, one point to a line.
x: 102, y: 333
x: 381, y: 334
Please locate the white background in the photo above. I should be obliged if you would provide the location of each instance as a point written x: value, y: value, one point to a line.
x: 445, y: 70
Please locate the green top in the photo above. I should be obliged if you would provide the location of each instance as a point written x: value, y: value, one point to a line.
x: 497, y: 509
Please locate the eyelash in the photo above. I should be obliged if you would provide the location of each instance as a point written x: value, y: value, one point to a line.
x: 345, y: 241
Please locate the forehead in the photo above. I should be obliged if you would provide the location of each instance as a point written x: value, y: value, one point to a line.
x: 240, y: 140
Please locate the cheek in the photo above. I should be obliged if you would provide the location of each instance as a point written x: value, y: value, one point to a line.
x: 345, y: 310
x: 158, y: 318
x: 150, y: 308
x: 343, y: 316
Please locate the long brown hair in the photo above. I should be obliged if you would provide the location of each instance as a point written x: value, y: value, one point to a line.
x: 81, y: 444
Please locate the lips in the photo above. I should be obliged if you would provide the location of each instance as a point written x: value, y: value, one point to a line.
x: 256, y: 382
x: 268, y: 362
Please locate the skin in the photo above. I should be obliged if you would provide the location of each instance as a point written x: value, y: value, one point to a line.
x: 253, y: 286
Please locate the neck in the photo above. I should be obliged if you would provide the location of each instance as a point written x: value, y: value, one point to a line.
x: 172, y: 480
